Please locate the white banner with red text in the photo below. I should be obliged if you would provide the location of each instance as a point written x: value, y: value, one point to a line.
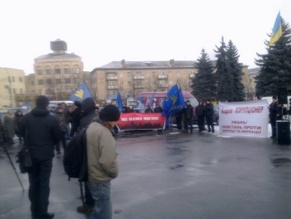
x: 244, y: 119
x: 141, y: 121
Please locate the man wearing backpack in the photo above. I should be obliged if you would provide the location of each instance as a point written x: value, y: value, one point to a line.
x: 88, y: 115
x: 102, y: 160
x: 41, y: 133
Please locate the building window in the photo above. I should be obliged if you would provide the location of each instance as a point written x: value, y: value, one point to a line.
x: 57, y: 70
x: 67, y: 70
x: 39, y: 71
x: 48, y: 71
x: 58, y: 81
x: 76, y: 69
x: 138, y: 74
x: 75, y: 80
x: 13, y: 79
x: 128, y: 74
x: 20, y: 79
x: 31, y: 82
x: 21, y: 90
x: 67, y: 80
x: 49, y: 81
x: 120, y: 74
x: 14, y: 90
x: 40, y: 82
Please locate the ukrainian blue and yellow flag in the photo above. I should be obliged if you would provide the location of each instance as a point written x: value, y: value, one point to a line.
x: 277, y: 30
x: 81, y: 93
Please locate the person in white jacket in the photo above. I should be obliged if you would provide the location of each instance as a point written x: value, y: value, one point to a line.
x: 102, y: 160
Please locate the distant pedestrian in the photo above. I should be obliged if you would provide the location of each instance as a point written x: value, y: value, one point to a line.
x: 9, y: 126
x: 41, y: 132
x: 209, y: 111
x: 148, y: 109
x: 61, y: 120
x: 200, y: 113
x: 75, y: 114
x: 274, y: 114
x: 188, y: 116
x: 158, y: 109
x: 18, y: 116
x: 178, y: 117
x: 102, y: 161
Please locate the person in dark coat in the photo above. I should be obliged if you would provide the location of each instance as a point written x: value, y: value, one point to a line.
x: 274, y: 114
x: 178, y: 116
x: 88, y: 115
x: 9, y: 126
x: 41, y: 132
x: 61, y: 120
x: 200, y: 112
x: 209, y: 111
x: 18, y: 116
x: 188, y: 114
x: 158, y: 109
x: 75, y: 115
x: 148, y: 110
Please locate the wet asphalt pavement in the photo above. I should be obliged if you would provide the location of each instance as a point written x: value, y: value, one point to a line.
x: 174, y: 176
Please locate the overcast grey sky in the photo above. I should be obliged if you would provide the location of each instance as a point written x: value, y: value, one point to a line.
x: 101, y: 31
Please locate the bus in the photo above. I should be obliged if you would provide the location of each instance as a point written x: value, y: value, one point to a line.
x: 160, y: 96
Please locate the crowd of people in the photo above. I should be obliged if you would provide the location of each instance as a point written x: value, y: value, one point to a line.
x: 44, y: 129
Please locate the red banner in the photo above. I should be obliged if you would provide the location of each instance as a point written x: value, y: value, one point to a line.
x: 141, y: 121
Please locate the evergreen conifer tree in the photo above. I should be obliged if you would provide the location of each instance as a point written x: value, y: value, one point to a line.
x: 275, y: 66
x: 203, y: 84
x: 236, y: 72
x: 225, y: 90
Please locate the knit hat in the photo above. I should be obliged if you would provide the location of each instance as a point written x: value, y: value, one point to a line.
x: 77, y: 103
x: 42, y: 102
x: 109, y: 113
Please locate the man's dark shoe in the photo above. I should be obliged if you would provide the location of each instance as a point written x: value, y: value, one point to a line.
x: 47, y: 216
x: 85, y: 208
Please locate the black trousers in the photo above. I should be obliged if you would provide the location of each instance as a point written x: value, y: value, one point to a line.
x: 188, y: 122
x: 273, y: 126
x: 63, y: 140
x: 209, y: 121
x: 39, y: 190
x: 201, y: 123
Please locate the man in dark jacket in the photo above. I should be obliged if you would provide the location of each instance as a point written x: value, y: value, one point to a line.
x: 209, y: 111
x: 75, y: 117
x: 188, y: 113
x: 41, y: 132
x: 88, y: 115
x: 275, y: 114
x: 200, y: 112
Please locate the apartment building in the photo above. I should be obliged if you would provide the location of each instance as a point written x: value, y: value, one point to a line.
x: 132, y: 77
x: 11, y: 84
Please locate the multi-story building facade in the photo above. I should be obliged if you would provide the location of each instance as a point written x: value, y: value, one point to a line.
x: 11, y: 85
x: 57, y: 74
x: 132, y: 77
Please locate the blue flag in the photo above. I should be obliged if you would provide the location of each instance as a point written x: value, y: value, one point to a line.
x: 81, y: 93
x: 119, y: 102
x: 151, y: 99
x: 173, y: 102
